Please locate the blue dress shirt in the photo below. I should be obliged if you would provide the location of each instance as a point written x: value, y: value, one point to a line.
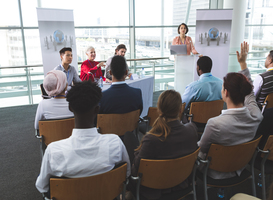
x: 207, y: 88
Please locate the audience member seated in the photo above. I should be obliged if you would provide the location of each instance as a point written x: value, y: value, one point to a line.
x: 55, y: 84
x: 238, y: 124
x: 265, y: 129
x: 90, y: 69
x: 69, y: 70
x: 120, y: 98
x: 168, y: 139
x: 119, y: 51
x: 263, y: 83
x: 207, y: 88
x: 86, y: 152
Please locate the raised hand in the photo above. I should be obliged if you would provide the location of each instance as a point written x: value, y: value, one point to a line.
x: 241, y: 57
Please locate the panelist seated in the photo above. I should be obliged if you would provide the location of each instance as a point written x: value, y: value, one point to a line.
x: 183, y: 39
x: 70, y: 71
x: 86, y: 152
x: 119, y: 51
x: 90, y: 69
x: 238, y: 124
x: 206, y: 88
x: 168, y: 139
x: 120, y: 98
x: 55, y: 85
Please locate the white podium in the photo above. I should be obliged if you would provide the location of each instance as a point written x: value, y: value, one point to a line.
x: 184, y: 69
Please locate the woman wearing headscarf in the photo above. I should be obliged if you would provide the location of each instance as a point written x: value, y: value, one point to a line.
x: 55, y: 85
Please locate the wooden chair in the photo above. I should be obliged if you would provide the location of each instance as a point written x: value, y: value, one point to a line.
x: 163, y: 174
x: 229, y: 159
x: 54, y: 130
x: 264, y: 162
x: 268, y: 103
x: 201, y: 112
x: 106, y: 186
x: 118, y: 123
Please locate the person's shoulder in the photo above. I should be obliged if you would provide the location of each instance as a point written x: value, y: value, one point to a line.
x: 84, y: 62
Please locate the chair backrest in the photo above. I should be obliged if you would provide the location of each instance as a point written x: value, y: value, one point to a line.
x: 162, y: 174
x: 118, y: 123
x: 202, y: 111
x: 153, y: 115
x: 104, y: 186
x: 269, y: 146
x: 269, y: 101
x: 54, y: 130
x: 232, y: 158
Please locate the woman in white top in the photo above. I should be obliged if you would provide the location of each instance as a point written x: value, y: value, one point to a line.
x: 55, y: 85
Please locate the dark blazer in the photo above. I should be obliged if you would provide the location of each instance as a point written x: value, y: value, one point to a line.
x: 265, y: 128
x: 119, y: 99
x: 181, y: 141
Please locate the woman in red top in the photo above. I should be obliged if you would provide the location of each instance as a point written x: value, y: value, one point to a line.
x: 183, y: 39
x: 91, y: 69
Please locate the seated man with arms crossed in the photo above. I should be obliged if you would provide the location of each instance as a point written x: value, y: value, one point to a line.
x: 120, y: 98
x: 86, y: 152
x: 70, y: 71
x: 207, y: 88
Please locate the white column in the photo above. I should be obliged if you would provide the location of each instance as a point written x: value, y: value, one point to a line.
x: 237, y: 30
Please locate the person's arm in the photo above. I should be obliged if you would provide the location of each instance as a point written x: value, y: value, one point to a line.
x: 175, y: 42
x: 193, y: 50
x: 76, y: 77
x: 250, y: 101
x: 125, y: 158
x: 189, y: 96
x: 39, y: 115
x: 257, y: 84
x: 148, y: 150
x: 107, y: 69
x: 42, y: 182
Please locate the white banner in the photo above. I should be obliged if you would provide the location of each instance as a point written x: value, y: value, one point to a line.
x: 56, y: 28
x: 213, y: 28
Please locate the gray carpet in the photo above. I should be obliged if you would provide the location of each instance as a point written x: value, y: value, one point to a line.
x: 20, y: 157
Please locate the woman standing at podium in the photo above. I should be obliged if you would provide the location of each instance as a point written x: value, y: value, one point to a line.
x: 183, y: 39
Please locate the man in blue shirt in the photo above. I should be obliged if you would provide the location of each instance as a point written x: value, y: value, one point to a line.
x: 207, y: 88
x: 70, y: 71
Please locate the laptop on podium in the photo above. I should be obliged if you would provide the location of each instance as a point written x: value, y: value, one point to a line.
x: 178, y: 49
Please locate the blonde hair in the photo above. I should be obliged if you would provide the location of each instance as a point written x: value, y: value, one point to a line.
x: 169, y: 106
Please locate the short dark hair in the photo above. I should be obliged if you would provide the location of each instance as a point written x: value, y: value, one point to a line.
x: 205, y: 64
x: 120, y: 46
x: 84, y: 96
x: 63, y: 50
x: 187, y: 29
x: 238, y: 87
x: 118, y: 67
x: 271, y: 56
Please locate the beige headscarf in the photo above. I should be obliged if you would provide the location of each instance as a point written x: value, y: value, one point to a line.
x: 55, y: 82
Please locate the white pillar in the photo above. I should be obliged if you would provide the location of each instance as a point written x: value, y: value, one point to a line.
x: 237, y: 30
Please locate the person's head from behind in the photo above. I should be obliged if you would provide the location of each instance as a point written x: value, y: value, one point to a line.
x: 120, y: 50
x: 204, y: 65
x: 183, y: 29
x: 118, y: 68
x: 55, y: 83
x: 66, y: 55
x: 169, y: 107
x: 269, y: 60
x: 83, y: 99
x: 235, y: 88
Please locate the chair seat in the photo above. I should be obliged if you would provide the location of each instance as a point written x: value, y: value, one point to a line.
x: 174, y: 194
x: 268, y: 166
x: 225, y: 182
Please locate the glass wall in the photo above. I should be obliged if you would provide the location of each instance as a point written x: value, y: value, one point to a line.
x: 104, y: 24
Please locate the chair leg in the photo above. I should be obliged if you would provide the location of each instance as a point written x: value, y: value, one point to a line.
x: 193, y: 182
x: 252, y: 173
x: 263, y: 176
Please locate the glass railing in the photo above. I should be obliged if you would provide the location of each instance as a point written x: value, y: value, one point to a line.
x: 20, y: 85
